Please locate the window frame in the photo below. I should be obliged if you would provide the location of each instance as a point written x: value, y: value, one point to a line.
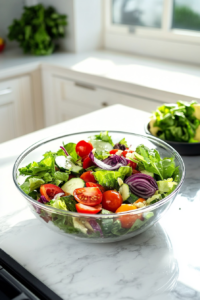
x: 175, y: 38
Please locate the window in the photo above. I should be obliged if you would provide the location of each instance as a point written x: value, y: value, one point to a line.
x: 161, y: 28
x: 186, y: 14
x: 147, y: 13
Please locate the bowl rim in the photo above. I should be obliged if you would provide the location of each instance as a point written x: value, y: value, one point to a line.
x: 96, y: 216
x: 147, y: 131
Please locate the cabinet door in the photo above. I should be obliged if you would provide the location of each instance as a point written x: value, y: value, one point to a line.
x: 74, y: 99
x: 16, y: 116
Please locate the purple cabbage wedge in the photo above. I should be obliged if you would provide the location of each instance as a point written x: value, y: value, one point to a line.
x: 42, y: 200
x: 142, y: 185
x: 96, y: 227
x: 120, y: 147
x: 111, y: 163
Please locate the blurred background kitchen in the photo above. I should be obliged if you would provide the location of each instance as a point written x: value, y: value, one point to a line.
x: 78, y: 56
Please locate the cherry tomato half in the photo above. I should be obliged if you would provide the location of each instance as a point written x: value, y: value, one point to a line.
x: 91, y: 184
x: 112, y: 200
x: 50, y: 190
x: 88, y: 177
x: 114, y: 151
x: 89, y: 196
x: 132, y: 164
x: 87, y: 162
x: 127, y: 221
x: 134, y: 171
x: 84, y: 209
x: 83, y: 148
x: 126, y: 151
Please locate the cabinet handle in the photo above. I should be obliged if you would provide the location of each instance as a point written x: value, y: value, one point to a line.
x: 104, y: 104
x: 5, y: 91
x: 85, y: 86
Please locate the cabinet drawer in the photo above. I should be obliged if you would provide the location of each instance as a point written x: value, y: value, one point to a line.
x: 7, y: 89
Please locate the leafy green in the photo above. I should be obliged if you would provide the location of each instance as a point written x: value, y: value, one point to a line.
x: 65, y: 223
x: 151, y: 161
x: 125, y: 172
x: 101, y: 155
x: 31, y: 184
x: 176, y: 175
x: 58, y: 203
x: 70, y: 203
x: 25, y: 187
x: 177, y: 122
x: 47, y: 164
x: 166, y: 186
x: 37, y: 29
x: 106, y: 224
x: 123, y: 142
x: 35, y: 183
x: 117, y: 228
x: 105, y: 137
x: 61, y: 176
x: 109, y: 178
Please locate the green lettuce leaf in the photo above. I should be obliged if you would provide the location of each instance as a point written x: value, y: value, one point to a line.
x: 106, y: 224
x: 123, y: 142
x: 58, y: 203
x: 109, y: 178
x: 69, y: 202
x: 71, y: 150
x: 166, y: 186
x: 104, y: 136
x: 101, y: 155
x: 151, y: 161
x: 117, y: 228
x: 61, y: 176
x: 177, y: 122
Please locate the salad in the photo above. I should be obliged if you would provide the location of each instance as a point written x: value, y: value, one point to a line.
x: 96, y: 176
x: 178, y: 122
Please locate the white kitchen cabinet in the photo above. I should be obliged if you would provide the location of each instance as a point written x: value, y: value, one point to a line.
x: 73, y: 99
x: 16, y: 112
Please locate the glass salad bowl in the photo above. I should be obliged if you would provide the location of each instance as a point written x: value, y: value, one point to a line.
x: 97, y: 228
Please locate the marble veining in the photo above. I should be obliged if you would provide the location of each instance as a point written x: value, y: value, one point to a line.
x: 162, y: 263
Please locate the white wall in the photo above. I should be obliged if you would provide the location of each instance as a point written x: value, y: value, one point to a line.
x: 84, y: 30
x: 9, y: 10
x: 88, y: 25
x: 65, y: 7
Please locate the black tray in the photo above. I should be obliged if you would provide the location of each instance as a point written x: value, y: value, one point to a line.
x: 16, y: 283
x: 186, y: 149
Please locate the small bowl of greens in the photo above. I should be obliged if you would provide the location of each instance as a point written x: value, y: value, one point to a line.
x: 179, y: 125
x: 99, y: 186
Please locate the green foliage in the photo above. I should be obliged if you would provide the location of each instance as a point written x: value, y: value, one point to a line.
x: 104, y: 136
x: 109, y: 178
x: 37, y: 29
x: 186, y: 18
x: 177, y: 122
x: 151, y: 161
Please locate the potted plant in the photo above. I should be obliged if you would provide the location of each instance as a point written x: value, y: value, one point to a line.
x: 38, y: 29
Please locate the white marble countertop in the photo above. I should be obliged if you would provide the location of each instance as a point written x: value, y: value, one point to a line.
x: 159, y: 75
x: 163, y: 263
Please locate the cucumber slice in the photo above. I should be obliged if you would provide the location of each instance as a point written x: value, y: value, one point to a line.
x: 125, y: 191
x: 101, y: 146
x: 72, y: 184
x: 65, y: 163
